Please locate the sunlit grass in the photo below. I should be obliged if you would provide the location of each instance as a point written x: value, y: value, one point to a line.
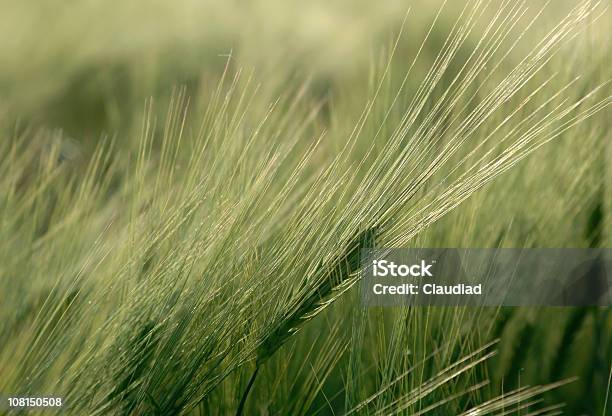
x: 205, y: 259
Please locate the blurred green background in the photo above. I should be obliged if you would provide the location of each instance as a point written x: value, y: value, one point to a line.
x: 86, y: 66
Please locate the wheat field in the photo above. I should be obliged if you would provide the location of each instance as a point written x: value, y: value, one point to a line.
x: 186, y: 188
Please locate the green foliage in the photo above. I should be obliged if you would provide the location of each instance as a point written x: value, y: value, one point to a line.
x: 201, y: 255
